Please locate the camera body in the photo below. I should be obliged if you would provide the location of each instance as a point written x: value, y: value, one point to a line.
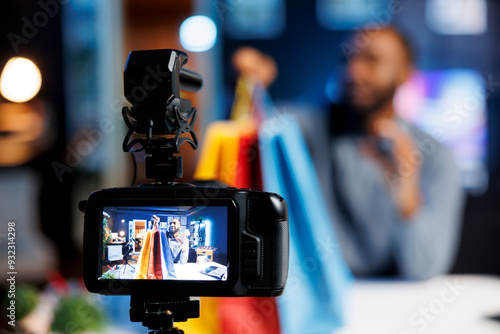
x: 238, y: 241
x: 164, y: 243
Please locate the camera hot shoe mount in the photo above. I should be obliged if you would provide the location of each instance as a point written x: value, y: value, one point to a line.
x: 158, y: 115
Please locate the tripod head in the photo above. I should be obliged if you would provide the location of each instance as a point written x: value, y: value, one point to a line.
x: 158, y: 314
x: 158, y: 115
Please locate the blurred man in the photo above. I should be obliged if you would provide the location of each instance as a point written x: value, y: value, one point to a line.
x: 397, y: 191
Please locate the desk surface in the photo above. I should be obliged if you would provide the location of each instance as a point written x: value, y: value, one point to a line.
x: 450, y: 304
x: 187, y: 271
x: 191, y: 271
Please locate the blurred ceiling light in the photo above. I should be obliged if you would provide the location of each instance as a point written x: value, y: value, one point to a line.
x: 255, y: 19
x: 457, y: 17
x: 198, y: 33
x: 20, y: 80
x: 350, y: 15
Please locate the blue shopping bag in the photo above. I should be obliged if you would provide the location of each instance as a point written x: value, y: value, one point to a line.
x: 318, y: 277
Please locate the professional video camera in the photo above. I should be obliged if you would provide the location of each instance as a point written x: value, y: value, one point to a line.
x: 200, y: 239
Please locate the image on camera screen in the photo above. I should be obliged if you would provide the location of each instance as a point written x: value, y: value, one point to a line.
x: 164, y: 242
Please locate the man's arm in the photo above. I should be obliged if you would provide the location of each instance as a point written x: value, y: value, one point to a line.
x: 428, y: 198
x: 425, y: 244
x: 184, y: 248
x: 404, y: 164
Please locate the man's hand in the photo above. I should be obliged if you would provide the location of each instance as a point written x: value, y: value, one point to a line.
x: 402, y: 167
x: 155, y: 219
x: 184, y: 242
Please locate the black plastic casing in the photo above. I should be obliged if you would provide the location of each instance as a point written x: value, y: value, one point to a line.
x: 258, y: 241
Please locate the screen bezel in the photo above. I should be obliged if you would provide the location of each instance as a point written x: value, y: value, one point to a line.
x: 93, y: 245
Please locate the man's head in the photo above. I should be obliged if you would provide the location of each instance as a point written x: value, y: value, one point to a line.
x: 174, y: 226
x: 381, y: 61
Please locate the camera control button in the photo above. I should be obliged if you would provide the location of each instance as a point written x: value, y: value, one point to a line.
x: 249, y: 244
x: 251, y: 262
x: 249, y: 253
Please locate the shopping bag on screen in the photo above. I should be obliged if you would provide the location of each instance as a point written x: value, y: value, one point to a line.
x: 155, y: 265
x: 143, y: 261
x: 167, y: 260
x: 318, y: 276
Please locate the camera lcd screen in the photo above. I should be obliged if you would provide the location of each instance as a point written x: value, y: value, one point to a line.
x: 188, y: 243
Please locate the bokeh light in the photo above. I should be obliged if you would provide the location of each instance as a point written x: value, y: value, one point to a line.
x: 198, y: 33
x: 20, y: 80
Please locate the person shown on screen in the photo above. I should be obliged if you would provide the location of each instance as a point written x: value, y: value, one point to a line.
x: 179, y: 244
x: 395, y: 191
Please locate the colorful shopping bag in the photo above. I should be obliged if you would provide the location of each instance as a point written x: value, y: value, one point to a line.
x: 318, y: 276
x: 230, y: 154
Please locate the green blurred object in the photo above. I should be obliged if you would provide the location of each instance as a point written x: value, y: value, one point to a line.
x: 107, y: 234
x: 26, y: 297
x: 109, y: 275
x: 76, y: 314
